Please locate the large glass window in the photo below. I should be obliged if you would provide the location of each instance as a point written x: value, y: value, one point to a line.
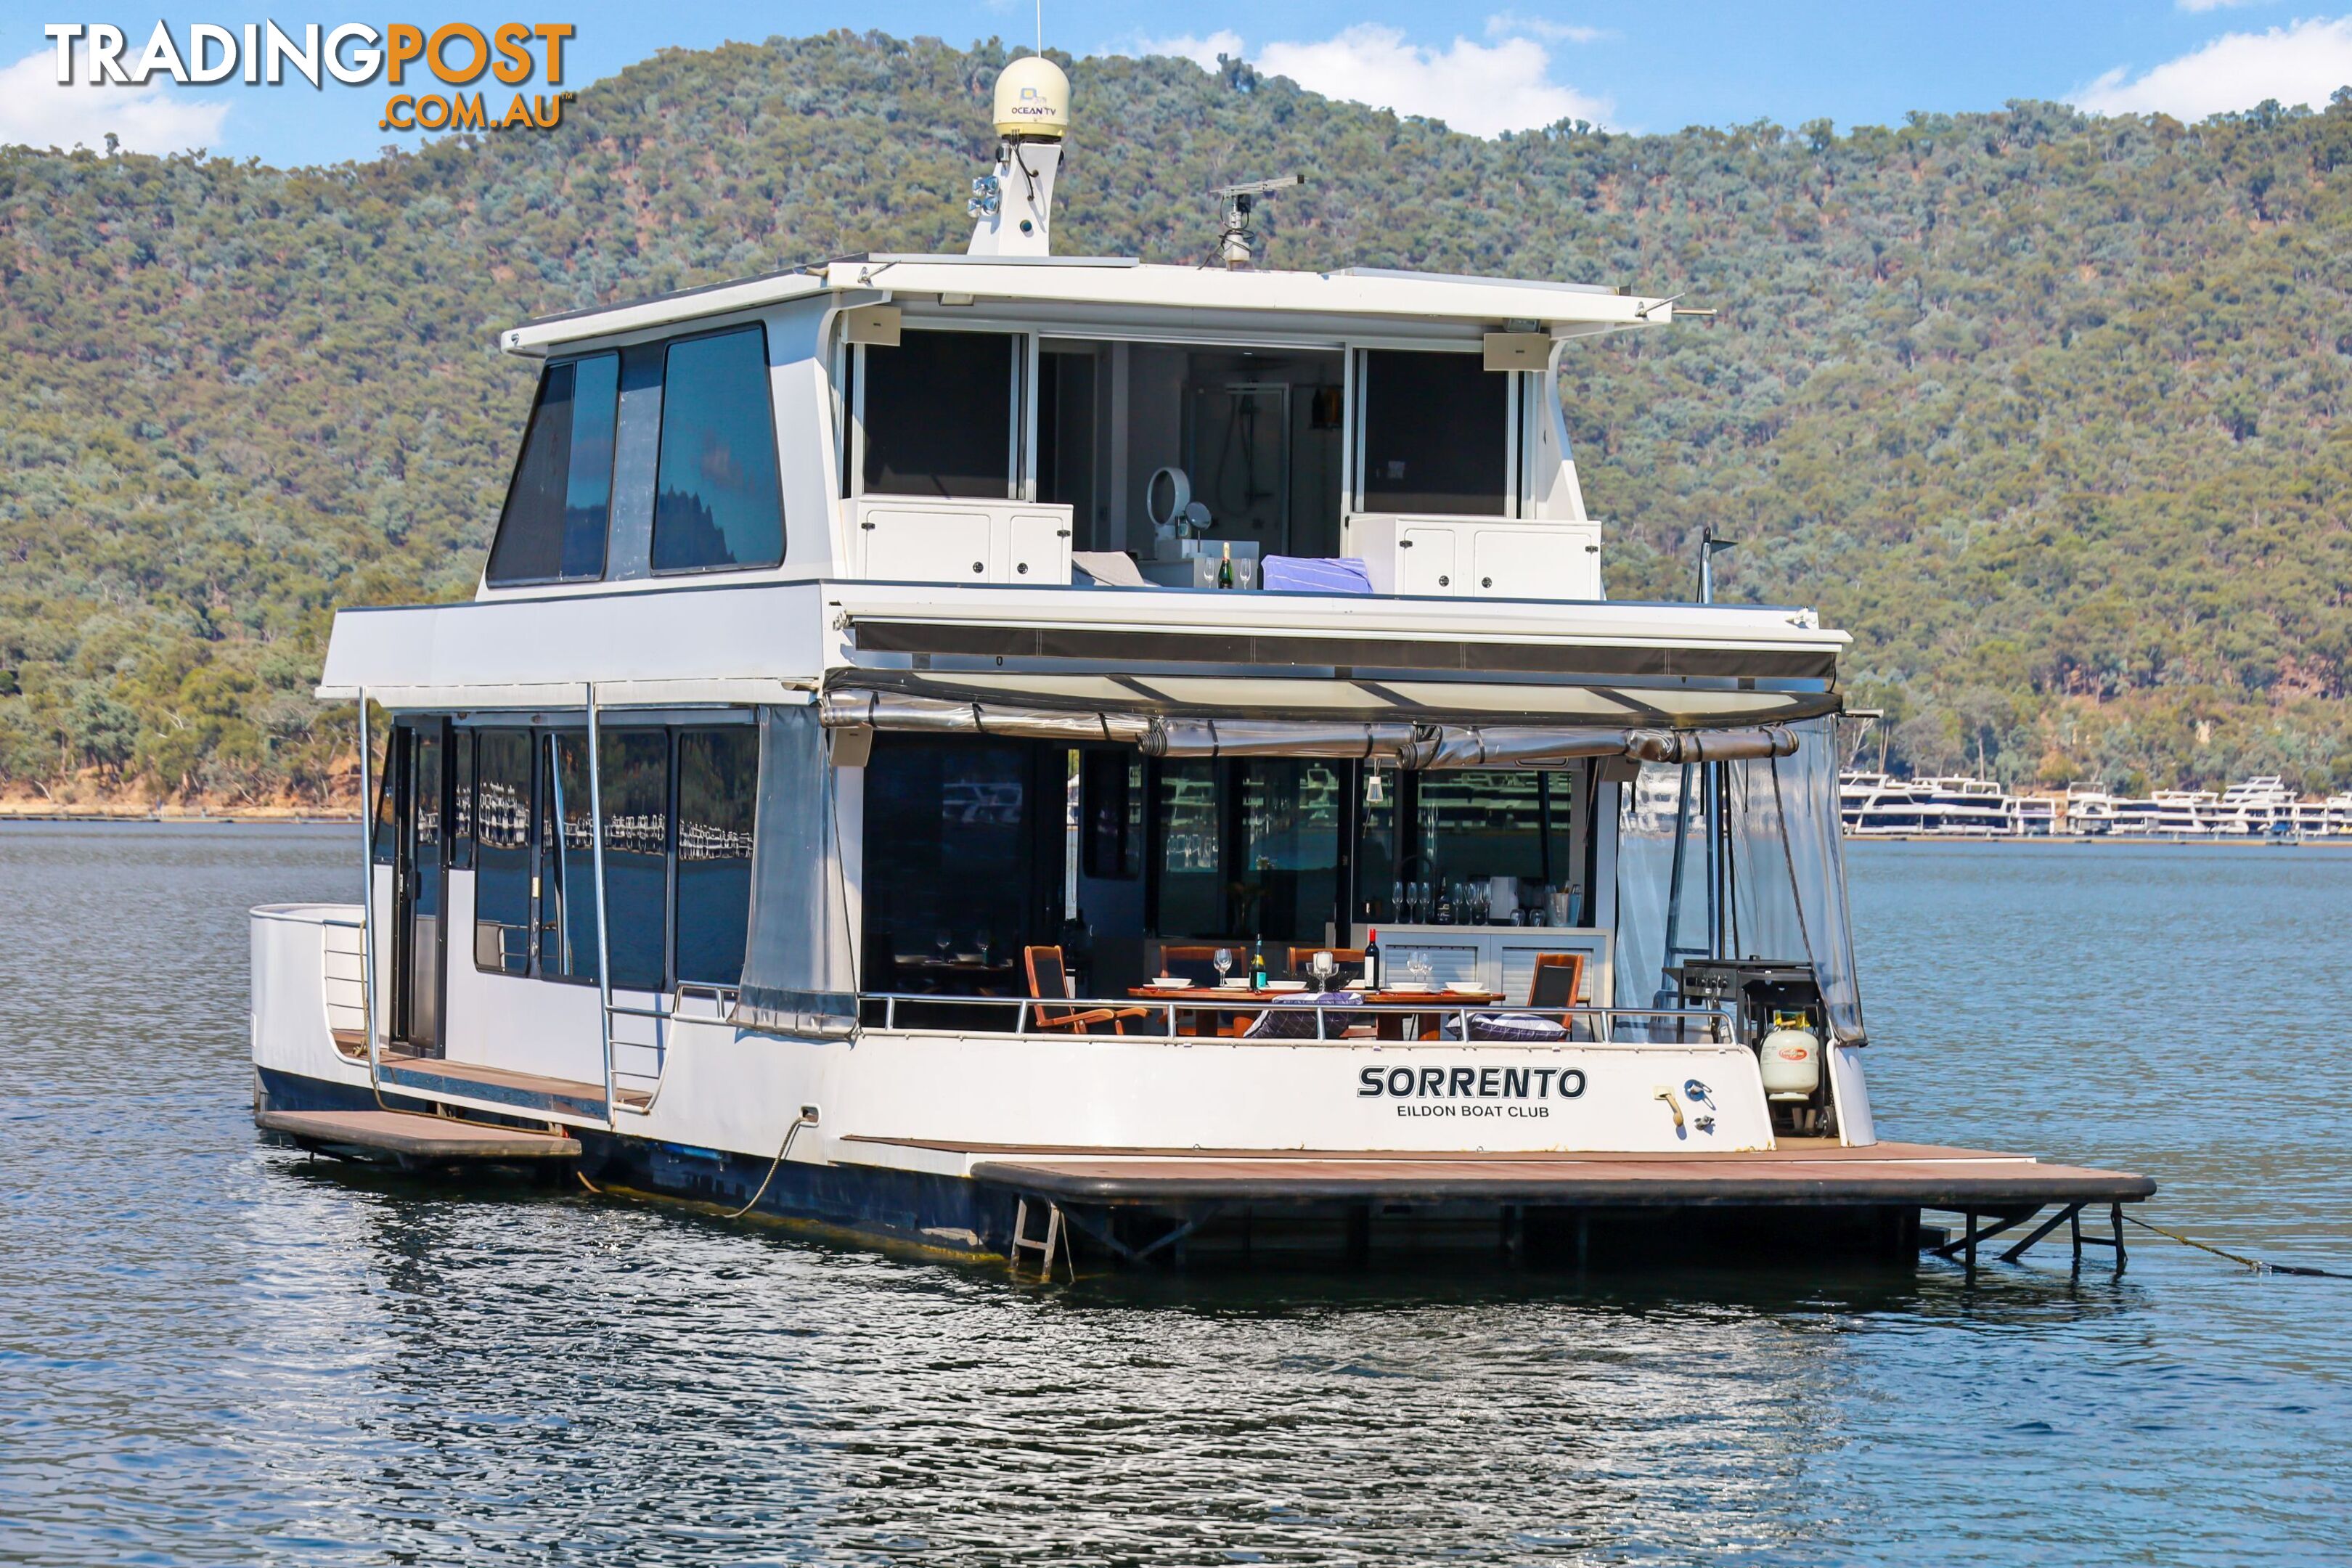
x: 1435, y: 435
x: 718, y: 495
x: 567, y: 861
x: 718, y: 784
x: 1287, y: 885
x: 1111, y: 807
x: 939, y: 416
x: 502, y: 870
x: 950, y: 864
x: 1191, y: 844
x: 552, y: 528
x: 636, y: 798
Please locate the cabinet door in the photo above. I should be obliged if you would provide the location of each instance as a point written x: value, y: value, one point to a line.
x: 1040, y: 547
x: 925, y: 543
x: 1542, y: 561
x: 1425, y: 562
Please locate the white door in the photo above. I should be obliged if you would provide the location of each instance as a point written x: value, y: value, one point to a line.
x: 1425, y: 562
x: 925, y: 543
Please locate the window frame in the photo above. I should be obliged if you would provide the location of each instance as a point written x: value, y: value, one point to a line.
x: 661, y: 429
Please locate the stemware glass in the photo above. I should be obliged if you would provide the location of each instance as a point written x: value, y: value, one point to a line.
x: 1323, y: 966
x: 1224, y: 960
x: 980, y: 940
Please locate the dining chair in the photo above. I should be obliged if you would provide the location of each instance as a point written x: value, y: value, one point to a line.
x: 1557, y: 981
x: 1049, y: 981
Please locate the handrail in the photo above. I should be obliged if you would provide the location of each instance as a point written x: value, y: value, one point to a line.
x: 367, y: 898
x: 603, y: 921
x: 1603, y: 1020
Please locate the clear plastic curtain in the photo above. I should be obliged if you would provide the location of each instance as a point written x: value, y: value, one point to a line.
x: 1649, y: 808
x: 792, y: 965
x: 1787, y: 862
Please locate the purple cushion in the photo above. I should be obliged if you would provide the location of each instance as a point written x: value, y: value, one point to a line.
x: 1313, y: 575
x: 1289, y: 1019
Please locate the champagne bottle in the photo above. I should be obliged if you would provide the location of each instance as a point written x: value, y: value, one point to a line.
x: 1225, y: 568
x: 1257, y: 965
x: 1372, y: 962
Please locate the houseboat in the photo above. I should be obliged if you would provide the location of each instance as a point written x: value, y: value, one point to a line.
x: 1081, y: 761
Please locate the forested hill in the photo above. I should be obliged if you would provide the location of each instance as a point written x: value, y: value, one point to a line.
x: 2048, y: 410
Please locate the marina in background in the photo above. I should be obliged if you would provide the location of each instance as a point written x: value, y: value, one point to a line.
x: 1880, y: 806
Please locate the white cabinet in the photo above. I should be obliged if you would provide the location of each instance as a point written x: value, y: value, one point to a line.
x: 911, y: 540
x: 1476, y: 557
x: 1500, y: 958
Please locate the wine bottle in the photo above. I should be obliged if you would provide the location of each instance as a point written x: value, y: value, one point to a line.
x: 1225, y: 567
x: 1372, y: 962
x: 1257, y: 965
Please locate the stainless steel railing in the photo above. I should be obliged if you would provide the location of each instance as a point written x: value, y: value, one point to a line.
x: 1470, y: 1022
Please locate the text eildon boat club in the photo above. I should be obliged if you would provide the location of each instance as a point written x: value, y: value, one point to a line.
x: 456, y: 55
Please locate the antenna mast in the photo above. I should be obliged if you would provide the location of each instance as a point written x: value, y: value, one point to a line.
x: 1237, y: 242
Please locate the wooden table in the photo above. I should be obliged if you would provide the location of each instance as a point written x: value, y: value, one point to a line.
x: 1199, y: 999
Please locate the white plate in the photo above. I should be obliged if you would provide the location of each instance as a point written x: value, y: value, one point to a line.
x: 1466, y: 988
x: 1286, y: 985
x: 1170, y: 983
x: 1240, y: 984
x: 1407, y: 988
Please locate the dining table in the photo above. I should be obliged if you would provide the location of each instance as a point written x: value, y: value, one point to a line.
x: 1223, y: 1001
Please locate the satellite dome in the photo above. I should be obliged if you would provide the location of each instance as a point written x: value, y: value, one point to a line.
x: 1032, y: 100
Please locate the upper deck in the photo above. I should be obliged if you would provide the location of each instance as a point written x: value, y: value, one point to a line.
x: 1047, y: 421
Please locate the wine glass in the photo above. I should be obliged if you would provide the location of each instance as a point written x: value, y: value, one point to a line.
x: 1323, y: 966
x: 1224, y: 960
x: 943, y: 940
x: 981, y: 940
x: 1396, y: 900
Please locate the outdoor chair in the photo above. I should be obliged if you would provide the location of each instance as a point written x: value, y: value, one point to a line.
x: 1049, y: 981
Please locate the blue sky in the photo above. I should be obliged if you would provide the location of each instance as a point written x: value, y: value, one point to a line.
x: 1652, y: 67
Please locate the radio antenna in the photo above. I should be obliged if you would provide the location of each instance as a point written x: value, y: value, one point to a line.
x: 1041, y: 26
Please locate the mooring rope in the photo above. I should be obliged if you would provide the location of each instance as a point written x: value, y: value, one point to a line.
x: 2256, y: 1264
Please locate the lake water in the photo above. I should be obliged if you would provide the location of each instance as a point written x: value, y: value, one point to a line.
x: 211, y: 1352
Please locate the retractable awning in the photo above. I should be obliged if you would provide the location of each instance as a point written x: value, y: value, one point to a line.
x: 1405, y: 743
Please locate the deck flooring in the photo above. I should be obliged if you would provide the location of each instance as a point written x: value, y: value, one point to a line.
x: 1908, y: 1174
x: 407, y: 1135
x: 504, y: 1079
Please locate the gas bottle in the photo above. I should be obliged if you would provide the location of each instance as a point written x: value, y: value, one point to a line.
x: 1791, y: 1056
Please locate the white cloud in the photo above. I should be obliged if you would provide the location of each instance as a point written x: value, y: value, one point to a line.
x: 2213, y: 4
x: 1201, y: 51
x: 1482, y: 88
x: 2303, y: 62
x: 1512, y: 24
x: 36, y: 111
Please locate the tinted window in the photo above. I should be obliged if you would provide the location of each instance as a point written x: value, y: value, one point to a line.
x: 461, y: 799
x: 949, y: 856
x: 635, y: 791
x: 718, y: 497
x: 567, y: 888
x: 503, y: 856
x: 1190, y: 839
x: 557, y: 508
x: 1434, y: 434
x: 717, y: 780
x: 1286, y: 875
x: 939, y: 416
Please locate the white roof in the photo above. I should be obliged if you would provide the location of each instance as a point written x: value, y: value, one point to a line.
x: 1361, y: 294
